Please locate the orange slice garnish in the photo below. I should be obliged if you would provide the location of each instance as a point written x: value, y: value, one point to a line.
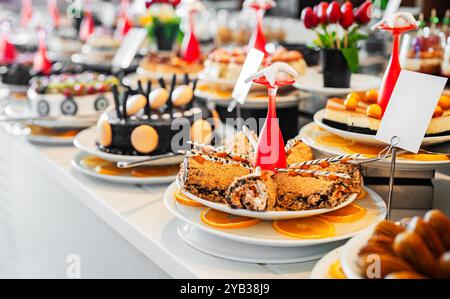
x: 305, y: 228
x: 365, y: 149
x: 111, y: 169
x: 93, y: 161
x: 183, y: 199
x: 424, y: 157
x: 155, y: 171
x: 336, y: 271
x: 349, y: 213
x: 224, y: 220
x: 362, y: 194
x: 333, y: 140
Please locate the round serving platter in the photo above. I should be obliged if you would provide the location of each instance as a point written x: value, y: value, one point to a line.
x: 21, y: 112
x: 264, y: 234
x: 86, y: 142
x: 269, y: 215
x: 311, y: 132
x: 313, y: 83
x: 50, y: 140
x: 322, y: 269
x: 244, y: 252
x: 122, y: 179
x: 349, y: 254
x: 366, y: 138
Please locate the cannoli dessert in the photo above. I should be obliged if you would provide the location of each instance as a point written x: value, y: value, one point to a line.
x: 256, y: 191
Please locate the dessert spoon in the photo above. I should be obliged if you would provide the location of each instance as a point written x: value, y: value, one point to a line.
x: 123, y: 164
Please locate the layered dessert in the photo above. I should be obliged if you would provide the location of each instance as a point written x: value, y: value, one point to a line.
x: 359, y: 113
x: 169, y: 63
x: 145, y: 122
x: 224, y: 63
x: 298, y: 191
x: 220, y: 176
x: 86, y: 94
x: 209, y: 173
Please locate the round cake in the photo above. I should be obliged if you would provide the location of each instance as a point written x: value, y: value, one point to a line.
x: 155, y: 121
x: 85, y: 94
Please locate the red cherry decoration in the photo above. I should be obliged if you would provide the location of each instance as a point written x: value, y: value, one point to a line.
x: 348, y: 18
x: 78, y: 89
x: 333, y: 12
x: 363, y: 14
x: 309, y: 18
x: 67, y: 92
x: 91, y: 89
x: 322, y: 12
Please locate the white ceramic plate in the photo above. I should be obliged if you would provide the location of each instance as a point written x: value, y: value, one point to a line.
x: 50, y: 140
x: 366, y: 138
x: 313, y: 83
x: 322, y: 269
x: 349, y: 254
x: 269, y: 215
x: 289, y: 100
x: 124, y: 179
x: 264, y: 234
x: 21, y: 110
x: 311, y: 132
x: 86, y: 142
x: 244, y: 252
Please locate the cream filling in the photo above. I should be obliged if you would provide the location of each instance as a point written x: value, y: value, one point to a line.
x: 258, y: 201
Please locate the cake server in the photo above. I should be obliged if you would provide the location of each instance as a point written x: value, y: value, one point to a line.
x: 123, y: 164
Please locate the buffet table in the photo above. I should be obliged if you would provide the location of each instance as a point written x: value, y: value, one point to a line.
x: 50, y: 215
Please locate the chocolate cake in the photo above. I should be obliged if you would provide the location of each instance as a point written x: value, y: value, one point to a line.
x: 146, y: 122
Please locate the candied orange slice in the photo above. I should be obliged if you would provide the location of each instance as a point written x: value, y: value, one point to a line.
x: 336, y: 271
x: 155, y: 171
x: 349, y: 213
x: 183, y: 199
x: 333, y: 140
x: 92, y: 161
x: 362, y: 194
x: 304, y: 228
x: 365, y: 149
x: 111, y: 169
x: 224, y: 220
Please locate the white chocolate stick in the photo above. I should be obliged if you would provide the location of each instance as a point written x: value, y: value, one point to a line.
x: 330, y: 160
x: 316, y: 172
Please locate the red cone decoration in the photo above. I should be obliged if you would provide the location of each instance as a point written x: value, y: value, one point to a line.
x: 87, y: 26
x: 8, y: 52
x: 41, y: 63
x: 124, y: 23
x: 54, y: 12
x: 190, y: 48
x: 26, y: 12
x: 258, y: 40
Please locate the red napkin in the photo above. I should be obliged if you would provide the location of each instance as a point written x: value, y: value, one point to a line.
x: 124, y: 23
x: 190, y: 47
x: 87, y: 26
x: 26, y: 12
x: 54, y: 12
x: 8, y: 52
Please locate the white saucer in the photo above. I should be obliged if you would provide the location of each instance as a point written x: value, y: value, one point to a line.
x: 322, y: 269
x: 366, y: 138
x: 269, y: 215
x: 313, y: 83
x: 242, y: 252
x: 311, y: 131
x: 86, y: 142
x: 265, y: 235
x: 349, y: 254
x: 50, y: 140
x: 22, y: 110
x: 124, y: 179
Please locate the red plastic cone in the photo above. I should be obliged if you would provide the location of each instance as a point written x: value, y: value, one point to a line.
x: 258, y: 40
x: 41, y: 63
x: 26, y: 12
x: 190, y: 47
x: 124, y: 23
x: 54, y: 12
x: 87, y: 26
x: 8, y: 51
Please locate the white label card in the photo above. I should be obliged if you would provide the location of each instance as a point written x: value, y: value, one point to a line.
x: 410, y: 109
x: 251, y: 65
x: 129, y: 47
x: 391, y: 8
